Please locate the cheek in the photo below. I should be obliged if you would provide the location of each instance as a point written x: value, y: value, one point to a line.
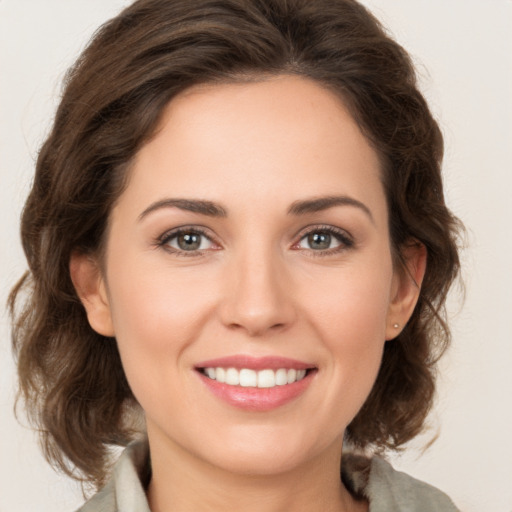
x: 351, y: 322
x: 152, y: 304
x: 355, y: 335
x: 155, y: 319
x: 353, y: 305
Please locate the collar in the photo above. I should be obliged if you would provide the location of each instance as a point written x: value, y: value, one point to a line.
x: 386, y: 490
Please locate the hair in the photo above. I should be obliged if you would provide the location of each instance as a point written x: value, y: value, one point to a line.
x: 70, y: 377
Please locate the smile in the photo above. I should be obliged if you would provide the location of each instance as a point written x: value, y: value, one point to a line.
x: 256, y: 384
x: 246, y: 377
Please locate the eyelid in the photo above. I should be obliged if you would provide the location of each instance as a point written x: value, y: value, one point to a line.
x: 163, y: 240
x: 343, y: 236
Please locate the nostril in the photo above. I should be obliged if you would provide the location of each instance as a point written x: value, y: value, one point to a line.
x: 256, y: 309
x: 254, y: 328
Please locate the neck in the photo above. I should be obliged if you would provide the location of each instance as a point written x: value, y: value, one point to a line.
x: 183, y: 483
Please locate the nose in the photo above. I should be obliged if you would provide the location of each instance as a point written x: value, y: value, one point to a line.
x: 258, y: 295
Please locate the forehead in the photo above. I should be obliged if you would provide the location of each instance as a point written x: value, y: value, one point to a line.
x: 284, y: 138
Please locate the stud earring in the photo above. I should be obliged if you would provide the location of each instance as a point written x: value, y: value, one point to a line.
x: 396, y: 326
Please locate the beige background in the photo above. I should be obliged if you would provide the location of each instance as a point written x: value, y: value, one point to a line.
x: 463, y: 49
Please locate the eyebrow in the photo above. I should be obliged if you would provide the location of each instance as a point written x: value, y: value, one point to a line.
x: 301, y: 207
x: 319, y: 204
x: 191, y: 205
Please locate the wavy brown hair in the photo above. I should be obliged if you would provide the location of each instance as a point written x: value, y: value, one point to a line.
x: 70, y: 377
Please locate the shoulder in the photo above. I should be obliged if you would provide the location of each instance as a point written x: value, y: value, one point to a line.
x: 388, y: 490
x: 125, y: 489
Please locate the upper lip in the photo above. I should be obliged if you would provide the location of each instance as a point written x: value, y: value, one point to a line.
x: 255, y: 363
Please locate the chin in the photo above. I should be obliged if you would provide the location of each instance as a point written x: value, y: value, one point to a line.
x: 259, y: 463
x: 267, y: 451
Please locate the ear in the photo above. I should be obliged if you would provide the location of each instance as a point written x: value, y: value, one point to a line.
x: 406, y: 287
x: 90, y: 287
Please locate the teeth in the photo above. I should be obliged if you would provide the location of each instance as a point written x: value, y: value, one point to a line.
x: 282, y: 377
x: 248, y: 378
x: 220, y: 374
x: 252, y: 378
x: 232, y: 377
x: 266, y: 379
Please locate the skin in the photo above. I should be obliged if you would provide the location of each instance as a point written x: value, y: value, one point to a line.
x: 257, y: 286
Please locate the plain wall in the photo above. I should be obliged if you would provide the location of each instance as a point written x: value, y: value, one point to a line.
x: 463, y: 50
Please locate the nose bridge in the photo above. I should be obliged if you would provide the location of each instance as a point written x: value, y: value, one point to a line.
x: 257, y: 298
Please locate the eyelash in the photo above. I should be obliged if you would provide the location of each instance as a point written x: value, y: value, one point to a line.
x: 345, y: 240
x: 163, y: 240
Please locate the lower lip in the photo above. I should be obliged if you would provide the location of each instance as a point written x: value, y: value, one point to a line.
x: 258, y: 399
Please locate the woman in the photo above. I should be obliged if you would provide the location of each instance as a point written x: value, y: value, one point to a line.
x: 239, y: 251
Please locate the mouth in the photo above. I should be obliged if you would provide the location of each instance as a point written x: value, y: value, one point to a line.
x: 249, y: 378
x: 256, y: 384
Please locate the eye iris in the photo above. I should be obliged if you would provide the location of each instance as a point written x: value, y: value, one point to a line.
x: 319, y: 240
x: 189, y: 241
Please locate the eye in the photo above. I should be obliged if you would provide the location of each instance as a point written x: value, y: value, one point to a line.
x: 325, y: 239
x: 186, y: 240
x: 319, y: 241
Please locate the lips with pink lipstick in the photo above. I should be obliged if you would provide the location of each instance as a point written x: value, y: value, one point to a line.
x: 256, y: 384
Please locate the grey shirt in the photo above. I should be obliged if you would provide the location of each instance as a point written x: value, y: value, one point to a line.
x: 387, y: 490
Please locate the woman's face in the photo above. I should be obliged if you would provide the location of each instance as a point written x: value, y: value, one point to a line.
x: 251, y: 246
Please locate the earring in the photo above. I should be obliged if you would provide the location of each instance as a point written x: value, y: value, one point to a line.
x: 396, y: 326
